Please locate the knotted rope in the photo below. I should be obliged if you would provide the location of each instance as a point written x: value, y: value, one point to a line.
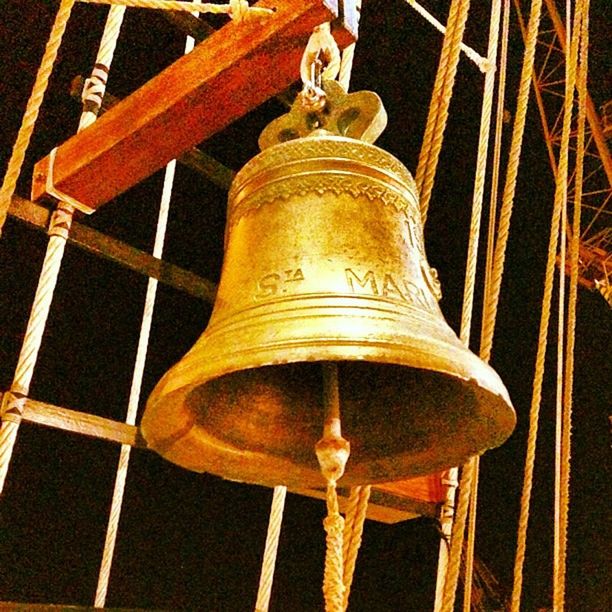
x: 353, y: 530
x: 332, y: 452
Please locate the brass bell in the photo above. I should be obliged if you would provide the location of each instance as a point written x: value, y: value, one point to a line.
x: 324, y: 261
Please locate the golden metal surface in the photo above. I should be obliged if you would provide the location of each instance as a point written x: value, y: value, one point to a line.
x: 324, y: 261
x: 359, y: 115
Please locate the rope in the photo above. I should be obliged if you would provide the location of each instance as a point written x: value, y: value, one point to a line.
x: 470, y: 276
x: 454, y: 563
x: 236, y: 9
x: 479, y: 180
x: 468, y: 303
x: 134, y: 398
x: 346, y: 63
x: 269, y: 558
x: 560, y: 195
x: 353, y: 531
x: 497, y: 147
x: 332, y: 453
x: 12, y: 412
x: 579, y: 38
x: 135, y: 390
x: 490, y: 314
x: 438, y: 110
x: 482, y: 62
x: 573, y: 296
x: 95, y: 86
x: 471, y: 537
x: 24, y: 135
x: 450, y: 482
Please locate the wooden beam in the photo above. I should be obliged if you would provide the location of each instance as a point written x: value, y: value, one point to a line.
x: 399, y: 502
x: 81, y: 423
x: 224, y: 77
x: 389, y: 502
x: 95, y: 242
x: 194, y: 158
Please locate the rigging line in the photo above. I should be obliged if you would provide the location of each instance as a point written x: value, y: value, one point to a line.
x: 438, y: 113
x: 482, y: 62
x: 499, y: 130
x: 564, y: 476
x: 436, y: 96
x: 59, y: 227
x: 472, y: 256
x: 236, y: 9
x: 139, y: 364
x: 452, y: 575
x: 511, y: 178
x: 271, y: 548
x: 560, y: 189
x: 30, y: 115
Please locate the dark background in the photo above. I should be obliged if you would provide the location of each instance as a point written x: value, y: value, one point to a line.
x: 195, y: 542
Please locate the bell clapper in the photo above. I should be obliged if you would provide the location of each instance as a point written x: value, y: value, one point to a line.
x: 332, y: 452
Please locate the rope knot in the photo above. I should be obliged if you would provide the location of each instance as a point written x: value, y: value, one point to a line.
x: 239, y: 9
x: 334, y: 525
x: 12, y: 406
x: 333, y: 453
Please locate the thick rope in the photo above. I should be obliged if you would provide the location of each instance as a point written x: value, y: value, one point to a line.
x: 353, y: 532
x: 95, y: 86
x: 440, y: 102
x: 518, y: 131
x: 468, y: 298
x: 573, y: 296
x: 472, y: 259
x: 479, y: 180
x: 482, y: 62
x: 31, y: 114
x: 497, y: 148
x: 445, y: 517
x: 236, y: 9
x: 332, y: 453
x: 582, y: 14
x: 454, y: 564
x: 271, y: 548
x: 471, y: 537
x: 560, y: 195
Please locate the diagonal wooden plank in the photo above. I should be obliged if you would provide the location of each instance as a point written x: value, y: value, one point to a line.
x: 231, y: 72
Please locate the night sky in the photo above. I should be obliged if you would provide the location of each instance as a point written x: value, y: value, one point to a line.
x: 194, y: 542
